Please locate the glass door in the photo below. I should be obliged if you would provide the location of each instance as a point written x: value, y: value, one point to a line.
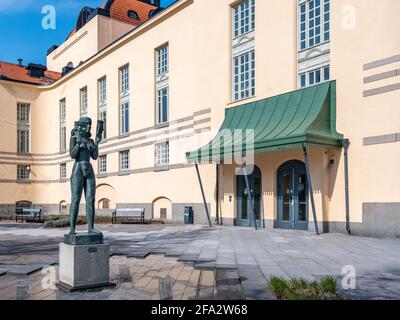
x: 243, y: 205
x: 292, y: 196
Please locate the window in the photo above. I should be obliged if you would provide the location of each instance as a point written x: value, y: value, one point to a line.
x: 23, y: 172
x: 162, y: 86
x: 102, y: 89
x: 23, y: 112
x: 63, y: 208
x: 104, y: 204
x: 244, y: 18
x: 63, y: 129
x: 23, y: 141
x: 162, y: 105
x: 244, y: 76
x: 133, y: 15
x: 102, y: 102
x: 162, y: 154
x: 84, y: 101
x: 125, y: 118
x: 162, y: 61
x: 103, y: 164
x: 314, y: 20
x: 315, y: 76
x: 124, y: 79
x: 124, y: 100
x: 63, y: 171
x: 124, y: 160
x: 23, y: 128
x: 103, y: 117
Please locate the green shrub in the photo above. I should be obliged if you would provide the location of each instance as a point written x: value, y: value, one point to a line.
x: 300, y: 289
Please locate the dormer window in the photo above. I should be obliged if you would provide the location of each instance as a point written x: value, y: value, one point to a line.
x: 133, y: 15
x: 83, y: 17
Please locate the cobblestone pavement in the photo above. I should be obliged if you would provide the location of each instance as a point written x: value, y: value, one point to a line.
x: 195, y: 262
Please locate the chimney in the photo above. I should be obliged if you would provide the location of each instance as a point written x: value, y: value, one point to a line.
x: 36, y: 70
x: 20, y: 62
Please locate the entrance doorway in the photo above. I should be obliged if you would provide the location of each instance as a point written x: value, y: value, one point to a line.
x: 243, y: 205
x: 292, y: 196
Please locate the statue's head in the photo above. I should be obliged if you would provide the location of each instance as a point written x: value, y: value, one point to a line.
x: 84, y: 126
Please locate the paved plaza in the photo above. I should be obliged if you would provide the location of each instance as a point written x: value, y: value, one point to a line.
x: 197, y: 262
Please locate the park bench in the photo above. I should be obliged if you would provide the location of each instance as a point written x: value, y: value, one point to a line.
x: 25, y: 213
x: 128, y: 214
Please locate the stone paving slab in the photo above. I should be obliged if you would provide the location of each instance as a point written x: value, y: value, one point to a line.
x: 25, y: 270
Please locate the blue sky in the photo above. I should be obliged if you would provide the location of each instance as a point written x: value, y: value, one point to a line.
x: 22, y: 35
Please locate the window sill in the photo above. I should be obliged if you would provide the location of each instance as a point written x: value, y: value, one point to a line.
x: 26, y: 154
x: 162, y: 125
x: 241, y: 100
x: 102, y: 175
x: 123, y: 136
x: 161, y: 168
x: 63, y: 180
x: 124, y: 173
x: 24, y: 181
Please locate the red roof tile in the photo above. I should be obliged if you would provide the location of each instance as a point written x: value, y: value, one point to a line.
x: 119, y: 10
x: 12, y: 71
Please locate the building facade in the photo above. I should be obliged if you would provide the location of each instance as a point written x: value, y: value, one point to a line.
x: 164, y: 85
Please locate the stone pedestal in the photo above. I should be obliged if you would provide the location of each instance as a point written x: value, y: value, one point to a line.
x: 84, y: 267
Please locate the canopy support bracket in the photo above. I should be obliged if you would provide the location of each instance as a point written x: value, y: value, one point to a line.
x: 311, y: 189
x: 202, y: 193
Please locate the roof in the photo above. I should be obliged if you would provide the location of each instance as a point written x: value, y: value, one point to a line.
x: 294, y: 119
x: 118, y: 10
x: 14, y: 72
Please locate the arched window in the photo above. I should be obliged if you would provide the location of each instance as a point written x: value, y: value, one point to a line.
x: 133, y: 15
x: 70, y: 65
x: 63, y: 208
x: 83, y: 17
x: 104, y: 204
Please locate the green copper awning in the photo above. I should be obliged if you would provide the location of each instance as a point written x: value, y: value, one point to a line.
x: 291, y: 120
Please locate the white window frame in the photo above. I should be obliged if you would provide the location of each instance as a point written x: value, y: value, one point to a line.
x: 102, y: 103
x: 23, y: 172
x: 83, y: 101
x: 124, y: 118
x: 244, y: 76
x: 63, y: 125
x: 102, y: 91
x: 124, y: 79
x: 324, y: 24
x: 162, y: 154
x: 163, y: 60
x: 160, y: 105
x: 243, y: 18
x: 23, y: 127
x: 323, y: 72
x: 124, y: 103
x: 63, y: 171
x: 124, y: 159
x: 103, y: 164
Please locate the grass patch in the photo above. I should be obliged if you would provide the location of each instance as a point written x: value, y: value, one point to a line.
x: 300, y: 289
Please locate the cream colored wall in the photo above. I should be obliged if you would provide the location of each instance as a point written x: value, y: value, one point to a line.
x: 372, y: 173
x: 110, y: 30
x: 79, y: 47
x: 200, y: 78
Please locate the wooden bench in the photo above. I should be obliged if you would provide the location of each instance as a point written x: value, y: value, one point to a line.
x: 126, y: 214
x: 24, y: 213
